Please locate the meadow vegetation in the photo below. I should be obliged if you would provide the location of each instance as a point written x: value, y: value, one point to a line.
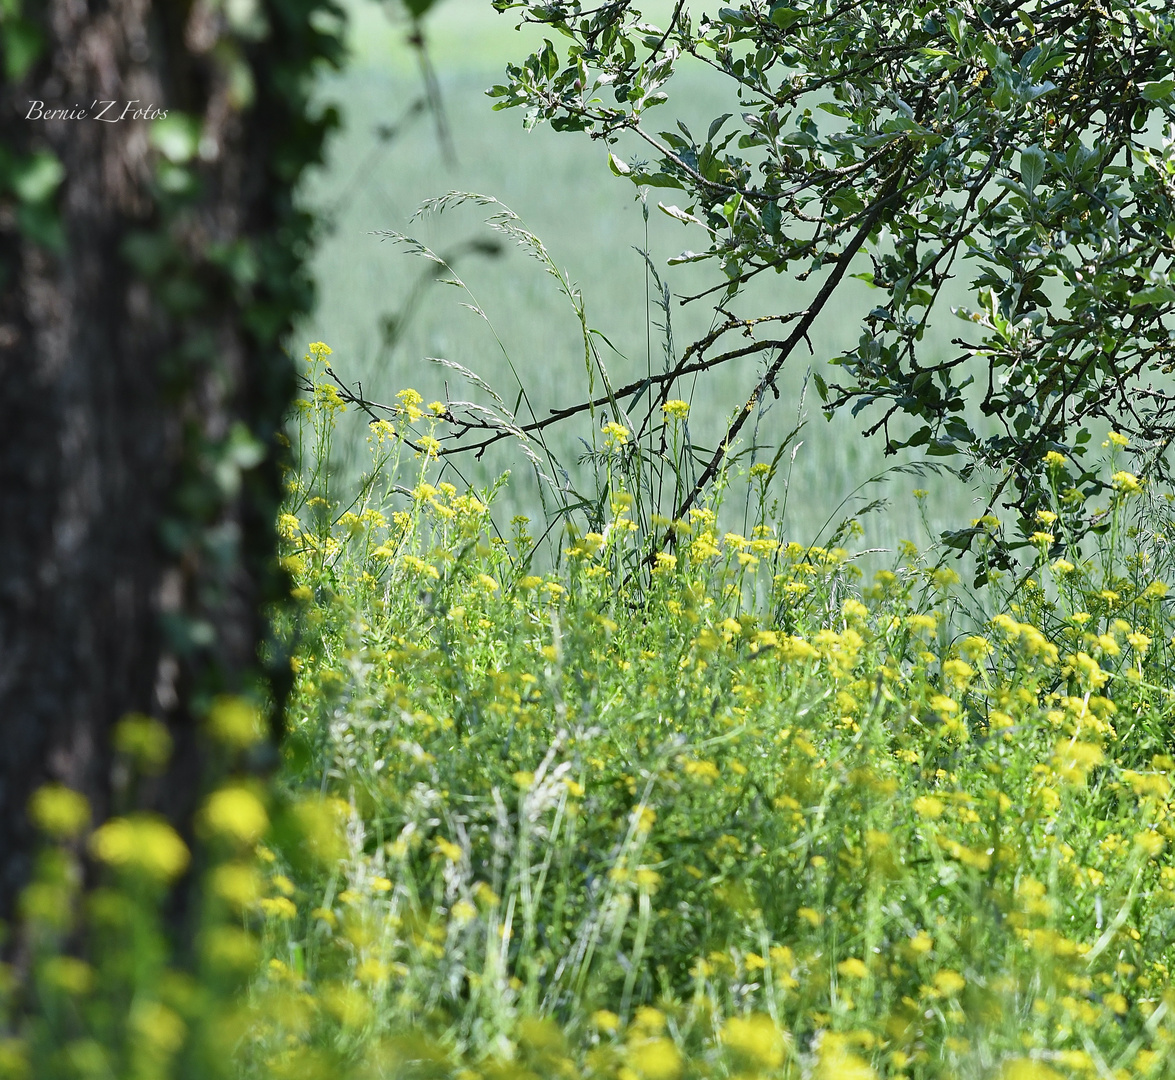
x: 721, y: 810
x: 711, y: 807
x: 610, y: 791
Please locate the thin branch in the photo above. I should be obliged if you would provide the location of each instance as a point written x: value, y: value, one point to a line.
x: 888, y: 194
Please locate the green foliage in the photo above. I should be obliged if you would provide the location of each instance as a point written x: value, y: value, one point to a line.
x: 690, y: 804
x: 1018, y: 147
x: 759, y: 818
x: 129, y: 950
x: 752, y: 816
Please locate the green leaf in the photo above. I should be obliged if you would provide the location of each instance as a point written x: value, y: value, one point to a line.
x: 176, y: 136
x: 689, y: 256
x: 1032, y: 163
x: 1158, y: 91
x: 716, y: 126
x: 549, y: 60
x: 1158, y: 294
x: 959, y: 539
x: 783, y: 16
x: 149, y: 253
x: 618, y: 167
x: 41, y: 224
x: 661, y: 180
x: 36, y: 178
x: 22, y: 46
x: 677, y: 212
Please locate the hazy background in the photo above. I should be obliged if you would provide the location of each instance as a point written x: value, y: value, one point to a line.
x: 590, y: 222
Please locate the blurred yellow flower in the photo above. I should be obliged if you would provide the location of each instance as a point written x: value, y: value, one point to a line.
x: 237, y: 884
x: 921, y: 942
x: 235, y: 722
x: 655, y: 1059
x: 1028, y: 1069
x: 278, y: 907
x: 145, y: 740
x: 235, y: 813
x: 606, y: 1020
x: 59, y: 811
x: 756, y: 1038
x: 928, y: 806
x: 142, y: 844
x: 949, y: 982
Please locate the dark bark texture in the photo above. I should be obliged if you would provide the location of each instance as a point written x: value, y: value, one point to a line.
x: 142, y: 386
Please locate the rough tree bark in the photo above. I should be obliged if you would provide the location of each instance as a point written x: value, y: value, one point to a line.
x: 142, y: 382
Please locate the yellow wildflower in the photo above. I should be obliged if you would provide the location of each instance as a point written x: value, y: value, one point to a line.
x: 235, y: 813
x: 410, y: 401
x: 615, y: 435
x: 141, y: 844
x: 755, y: 1038
x: 949, y: 983
x: 278, y: 907
x: 58, y: 811
x: 1126, y: 483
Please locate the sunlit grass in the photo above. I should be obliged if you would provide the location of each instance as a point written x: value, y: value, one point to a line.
x: 590, y: 222
x: 743, y: 813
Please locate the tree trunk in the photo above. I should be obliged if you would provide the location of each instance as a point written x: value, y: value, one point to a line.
x: 142, y: 381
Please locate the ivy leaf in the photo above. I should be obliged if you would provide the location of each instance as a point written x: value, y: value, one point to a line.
x: 22, y: 46
x: 35, y: 179
x: 176, y: 136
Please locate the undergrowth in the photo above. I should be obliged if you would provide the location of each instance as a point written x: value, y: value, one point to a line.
x: 697, y: 805
x: 687, y: 804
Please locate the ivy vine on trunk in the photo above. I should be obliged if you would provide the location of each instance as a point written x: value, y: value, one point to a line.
x: 151, y: 268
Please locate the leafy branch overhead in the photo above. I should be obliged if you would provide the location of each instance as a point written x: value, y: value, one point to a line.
x: 1017, y: 147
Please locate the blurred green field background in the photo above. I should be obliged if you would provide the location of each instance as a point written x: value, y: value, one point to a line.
x: 590, y: 222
